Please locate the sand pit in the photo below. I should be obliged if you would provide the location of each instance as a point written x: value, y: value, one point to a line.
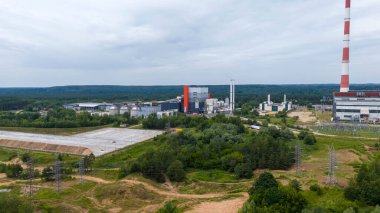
x: 304, y: 116
x: 99, y: 142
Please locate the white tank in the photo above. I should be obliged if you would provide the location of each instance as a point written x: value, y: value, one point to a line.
x: 124, y: 109
x: 114, y: 110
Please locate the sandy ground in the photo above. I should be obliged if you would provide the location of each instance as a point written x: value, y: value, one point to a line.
x: 225, y: 206
x: 100, y: 141
x: 304, y: 116
x: 2, y: 175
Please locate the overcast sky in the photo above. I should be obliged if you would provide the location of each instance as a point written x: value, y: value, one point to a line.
x: 159, y: 42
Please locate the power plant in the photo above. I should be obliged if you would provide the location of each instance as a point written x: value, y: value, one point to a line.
x: 363, y: 106
x: 270, y: 107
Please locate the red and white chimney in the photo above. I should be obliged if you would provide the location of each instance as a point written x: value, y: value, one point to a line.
x: 345, y: 78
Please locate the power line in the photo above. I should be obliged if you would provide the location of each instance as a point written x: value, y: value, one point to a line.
x: 332, y: 167
x: 58, y: 173
x: 81, y: 169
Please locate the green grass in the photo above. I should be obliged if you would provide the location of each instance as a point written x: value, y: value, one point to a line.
x: 7, y: 154
x: 53, y: 131
x: 346, y: 143
x: 215, y: 175
x: 332, y: 199
x: 39, y: 158
x: 118, y: 158
x: 106, y: 174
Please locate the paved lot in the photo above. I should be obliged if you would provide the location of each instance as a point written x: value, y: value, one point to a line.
x: 100, y: 141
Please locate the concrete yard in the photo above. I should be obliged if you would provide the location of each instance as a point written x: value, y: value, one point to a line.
x: 100, y: 141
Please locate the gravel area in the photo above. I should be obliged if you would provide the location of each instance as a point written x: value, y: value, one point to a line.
x: 100, y: 141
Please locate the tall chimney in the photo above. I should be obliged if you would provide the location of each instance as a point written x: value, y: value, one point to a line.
x: 285, y: 98
x: 269, y: 99
x: 345, y: 78
x: 185, y: 99
x: 233, y: 94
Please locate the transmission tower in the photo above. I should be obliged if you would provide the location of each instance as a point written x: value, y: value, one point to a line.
x: 298, y: 157
x: 30, y: 170
x: 58, y: 173
x: 81, y: 169
x: 332, y: 167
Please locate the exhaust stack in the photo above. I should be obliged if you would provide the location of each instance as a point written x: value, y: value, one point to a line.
x: 232, y: 95
x: 345, y: 78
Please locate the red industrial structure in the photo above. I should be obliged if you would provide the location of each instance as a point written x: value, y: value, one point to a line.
x: 185, y: 99
x: 345, y: 78
x: 349, y: 105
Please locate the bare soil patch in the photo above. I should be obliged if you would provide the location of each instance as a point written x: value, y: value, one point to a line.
x: 304, y: 116
x: 225, y: 206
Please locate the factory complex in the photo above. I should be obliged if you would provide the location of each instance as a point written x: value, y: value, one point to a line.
x: 270, y: 107
x: 362, y: 106
x: 194, y: 100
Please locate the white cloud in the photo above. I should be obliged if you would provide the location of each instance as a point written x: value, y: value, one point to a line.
x: 129, y: 42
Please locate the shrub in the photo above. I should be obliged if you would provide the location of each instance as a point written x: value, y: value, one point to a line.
x: 176, y: 172
x: 169, y: 207
x: 295, y: 184
x: 302, y: 134
x: 14, y: 171
x: 243, y: 170
x: 310, y: 139
x: 316, y: 188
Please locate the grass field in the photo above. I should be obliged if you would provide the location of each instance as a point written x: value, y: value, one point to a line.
x: 53, y: 131
x: 39, y: 158
x: 120, y: 157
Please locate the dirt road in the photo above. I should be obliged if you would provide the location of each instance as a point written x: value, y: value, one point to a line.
x: 225, y: 206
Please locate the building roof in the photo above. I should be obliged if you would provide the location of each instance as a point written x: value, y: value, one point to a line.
x: 367, y: 94
x: 93, y: 104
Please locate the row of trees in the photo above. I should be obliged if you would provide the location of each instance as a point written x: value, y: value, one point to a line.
x: 183, y: 121
x: 60, y: 118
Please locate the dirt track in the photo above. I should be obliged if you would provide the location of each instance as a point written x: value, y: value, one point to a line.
x: 225, y: 206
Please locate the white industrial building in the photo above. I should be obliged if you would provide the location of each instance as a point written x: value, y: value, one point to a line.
x: 270, y: 107
x: 88, y: 107
x: 357, y: 106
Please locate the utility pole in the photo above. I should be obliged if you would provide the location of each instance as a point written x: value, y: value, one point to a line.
x: 81, y: 169
x: 332, y: 167
x: 57, y: 173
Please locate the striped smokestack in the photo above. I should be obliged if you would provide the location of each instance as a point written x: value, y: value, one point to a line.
x: 345, y: 78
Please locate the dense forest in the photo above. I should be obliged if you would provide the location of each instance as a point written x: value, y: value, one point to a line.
x: 18, y: 98
x: 217, y: 143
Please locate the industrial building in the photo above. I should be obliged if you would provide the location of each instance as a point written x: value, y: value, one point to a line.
x: 162, y: 108
x: 270, y: 107
x: 198, y: 100
x: 89, y: 107
x: 363, y: 106
x: 194, y: 99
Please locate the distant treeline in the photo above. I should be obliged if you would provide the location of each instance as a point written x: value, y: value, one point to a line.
x: 17, y: 98
x: 61, y: 118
